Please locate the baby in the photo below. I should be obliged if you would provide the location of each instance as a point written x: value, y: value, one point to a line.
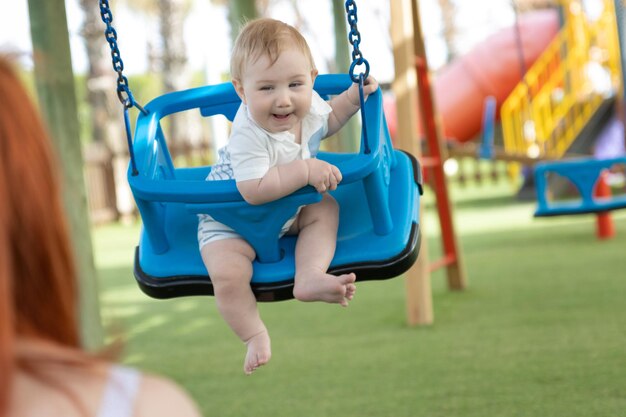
x: 270, y: 154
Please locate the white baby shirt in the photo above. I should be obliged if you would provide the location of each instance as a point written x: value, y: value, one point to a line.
x: 251, y: 150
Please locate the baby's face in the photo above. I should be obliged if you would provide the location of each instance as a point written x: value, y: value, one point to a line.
x: 278, y: 96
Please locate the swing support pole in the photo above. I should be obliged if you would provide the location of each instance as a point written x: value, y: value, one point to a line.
x: 412, y: 86
x: 419, y: 308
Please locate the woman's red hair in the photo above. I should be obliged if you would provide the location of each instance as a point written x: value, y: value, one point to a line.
x: 37, y: 271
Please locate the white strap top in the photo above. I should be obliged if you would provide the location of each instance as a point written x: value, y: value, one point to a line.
x: 120, y: 392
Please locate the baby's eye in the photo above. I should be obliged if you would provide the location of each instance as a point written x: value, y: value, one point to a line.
x: 295, y: 84
x: 266, y: 88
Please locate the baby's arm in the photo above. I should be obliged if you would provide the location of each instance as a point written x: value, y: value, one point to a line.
x: 347, y: 103
x: 283, y: 180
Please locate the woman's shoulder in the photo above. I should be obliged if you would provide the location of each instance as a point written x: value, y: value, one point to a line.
x: 130, y: 392
x: 127, y: 391
x: 69, y: 383
x: 159, y: 396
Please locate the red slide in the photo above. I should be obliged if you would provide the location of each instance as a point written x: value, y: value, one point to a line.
x: 492, y: 68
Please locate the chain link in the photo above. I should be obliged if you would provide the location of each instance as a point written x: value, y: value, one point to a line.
x: 123, y: 90
x: 110, y: 34
x: 354, y: 37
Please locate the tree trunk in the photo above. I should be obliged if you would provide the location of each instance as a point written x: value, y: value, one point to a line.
x: 172, y: 15
x: 448, y: 13
x: 57, y: 98
x: 107, y: 128
x: 101, y: 85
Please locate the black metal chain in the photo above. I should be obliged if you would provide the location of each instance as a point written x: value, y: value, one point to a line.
x: 354, y: 37
x: 110, y: 34
x: 123, y: 90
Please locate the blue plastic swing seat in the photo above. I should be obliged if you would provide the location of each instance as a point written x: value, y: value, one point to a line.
x: 584, y: 175
x: 378, y: 237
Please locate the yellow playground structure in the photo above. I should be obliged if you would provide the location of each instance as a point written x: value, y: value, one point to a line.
x: 557, y: 97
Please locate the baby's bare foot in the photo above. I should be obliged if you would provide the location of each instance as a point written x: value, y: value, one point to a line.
x: 259, y: 352
x: 315, y: 285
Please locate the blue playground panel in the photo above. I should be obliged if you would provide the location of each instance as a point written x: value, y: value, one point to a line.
x: 584, y: 174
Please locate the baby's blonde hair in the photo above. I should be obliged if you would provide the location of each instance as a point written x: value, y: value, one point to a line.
x: 267, y: 37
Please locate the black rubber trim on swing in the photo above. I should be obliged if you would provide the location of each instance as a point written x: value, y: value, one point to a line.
x: 181, y: 286
x: 566, y: 211
x: 417, y: 172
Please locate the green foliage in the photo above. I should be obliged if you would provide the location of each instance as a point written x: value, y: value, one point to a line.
x: 144, y: 87
x: 538, y: 332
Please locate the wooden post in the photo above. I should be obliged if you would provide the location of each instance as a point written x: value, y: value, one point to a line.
x: 57, y: 98
x: 418, y: 286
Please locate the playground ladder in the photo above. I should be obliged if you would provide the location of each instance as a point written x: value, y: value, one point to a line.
x: 565, y: 86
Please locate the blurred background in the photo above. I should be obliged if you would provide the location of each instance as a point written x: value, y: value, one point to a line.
x: 173, y: 45
x: 539, y: 327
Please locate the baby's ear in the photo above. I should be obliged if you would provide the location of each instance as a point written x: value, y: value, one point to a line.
x: 314, y: 73
x: 239, y: 89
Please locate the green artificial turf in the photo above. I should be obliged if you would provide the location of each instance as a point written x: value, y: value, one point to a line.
x: 539, y: 331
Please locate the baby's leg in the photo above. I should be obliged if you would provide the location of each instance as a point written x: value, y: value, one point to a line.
x: 229, y: 263
x: 315, y: 249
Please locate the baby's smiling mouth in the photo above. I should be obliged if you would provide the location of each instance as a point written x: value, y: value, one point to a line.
x: 281, y: 116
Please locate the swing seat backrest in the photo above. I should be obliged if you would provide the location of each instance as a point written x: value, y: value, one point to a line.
x: 160, y: 184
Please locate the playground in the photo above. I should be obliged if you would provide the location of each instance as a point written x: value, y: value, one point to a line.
x: 481, y: 209
x: 538, y: 331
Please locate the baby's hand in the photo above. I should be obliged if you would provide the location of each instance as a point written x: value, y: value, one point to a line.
x: 369, y: 86
x: 322, y: 175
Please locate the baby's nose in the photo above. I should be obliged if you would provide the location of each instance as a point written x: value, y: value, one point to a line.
x: 283, y: 99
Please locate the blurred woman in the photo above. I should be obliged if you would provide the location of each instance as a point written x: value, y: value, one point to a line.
x: 43, y: 370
